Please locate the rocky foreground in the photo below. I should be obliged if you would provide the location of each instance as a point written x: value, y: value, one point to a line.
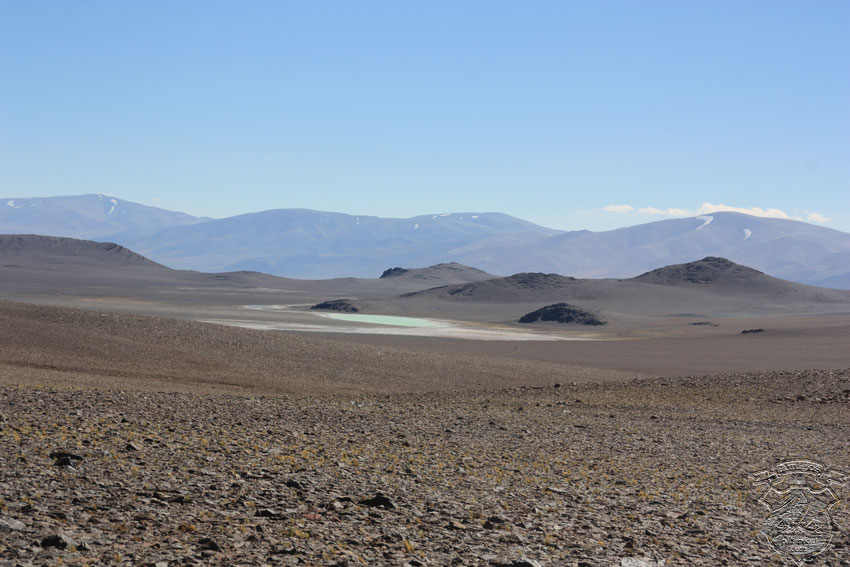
x: 640, y: 474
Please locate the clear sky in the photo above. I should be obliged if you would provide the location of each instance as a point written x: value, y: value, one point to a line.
x: 583, y: 114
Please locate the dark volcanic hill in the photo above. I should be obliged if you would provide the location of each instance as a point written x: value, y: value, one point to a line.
x: 709, y: 270
x: 724, y: 276
x: 562, y: 313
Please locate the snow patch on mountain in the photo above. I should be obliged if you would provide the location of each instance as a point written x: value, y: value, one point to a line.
x: 747, y: 233
x: 706, y: 220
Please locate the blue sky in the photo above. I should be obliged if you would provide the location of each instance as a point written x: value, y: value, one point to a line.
x: 590, y: 114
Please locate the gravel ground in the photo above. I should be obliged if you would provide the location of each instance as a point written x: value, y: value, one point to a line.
x: 635, y: 474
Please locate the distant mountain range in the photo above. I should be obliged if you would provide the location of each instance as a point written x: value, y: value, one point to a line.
x: 300, y: 243
x: 90, y: 217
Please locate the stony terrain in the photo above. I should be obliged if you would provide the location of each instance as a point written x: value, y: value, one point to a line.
x: 643, y: 473
x: 161, y: 440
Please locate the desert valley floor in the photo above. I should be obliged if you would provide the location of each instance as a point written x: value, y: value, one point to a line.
x: 147, y: 418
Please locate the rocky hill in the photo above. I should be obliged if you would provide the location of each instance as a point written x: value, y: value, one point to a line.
x: 709, y: 270
x: 562, y: 313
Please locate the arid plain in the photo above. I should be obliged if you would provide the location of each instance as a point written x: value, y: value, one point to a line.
x: 160, y: 417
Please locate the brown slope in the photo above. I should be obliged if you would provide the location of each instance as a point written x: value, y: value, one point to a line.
x: 70, y: 272
x: 34, y: 250
x: 51, y: 345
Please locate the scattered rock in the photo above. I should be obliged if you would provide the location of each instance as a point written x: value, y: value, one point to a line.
x: 521, y: 562
x: 639, y: 562
x: 65, y: 459
x: 528, y: 475
x: 209, y: 544
x: 11, y: 525
x: 59, y: 541
x: 267, y: 513
x: 378, y: 501
x: 64, y: 454
x: 526, y: 562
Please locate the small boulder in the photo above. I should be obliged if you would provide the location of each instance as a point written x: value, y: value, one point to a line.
x: 639, y: 562
x: 267, y: 513
x: 10, y: 525
x: 209, y: 544
x: 378, y: 501
x: 65, y: 459
x: 59, y: 541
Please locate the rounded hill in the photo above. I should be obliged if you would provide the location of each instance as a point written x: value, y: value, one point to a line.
x: 33, y: 251
x: 447, y: 273
x: 709, y: 270
x: 526, y: 286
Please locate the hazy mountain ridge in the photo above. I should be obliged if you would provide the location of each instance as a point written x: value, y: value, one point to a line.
x: 302, y: 243
x: 786, y: 249
x: 315, y: 244
x: 89, y: 217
